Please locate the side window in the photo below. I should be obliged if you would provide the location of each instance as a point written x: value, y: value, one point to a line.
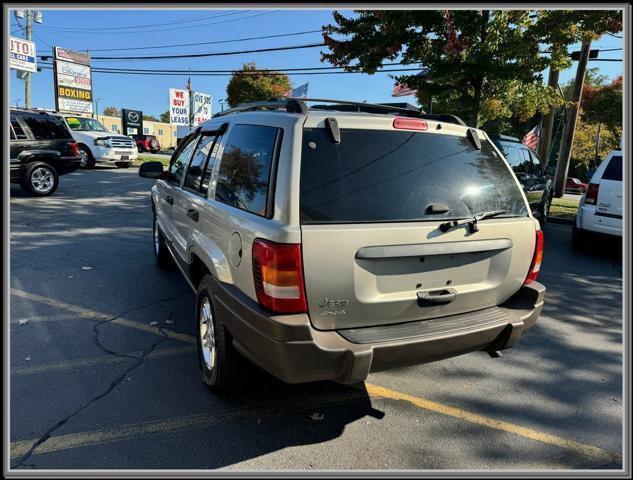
x: 44, y: 127
x: 614, y: 169
x: 516, y: 160
x: 195, y: 171
x: 11, y: 133
x: 179, y: 163
x: 17, y: 128
x: 206, y: 180
x: 244, y: 175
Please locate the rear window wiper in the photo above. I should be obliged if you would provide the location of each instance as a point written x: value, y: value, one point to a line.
x: 471, y: 221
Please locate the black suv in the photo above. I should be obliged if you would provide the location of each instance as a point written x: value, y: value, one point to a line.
x: 536, y: 182
x: 42, y: 148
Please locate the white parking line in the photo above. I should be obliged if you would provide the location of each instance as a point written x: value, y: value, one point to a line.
x: 92, y: 314
x: 98, y: 360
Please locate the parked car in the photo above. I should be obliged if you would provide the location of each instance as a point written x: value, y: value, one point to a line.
x: 600, y: 209
x: 147, y: 143
x: 536, y: 182
x: 41, y: 149
x: 574, y: 185
x: 97, y: 144
x: 323, y: 245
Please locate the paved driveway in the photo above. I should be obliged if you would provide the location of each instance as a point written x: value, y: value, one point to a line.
x: 104, y: 373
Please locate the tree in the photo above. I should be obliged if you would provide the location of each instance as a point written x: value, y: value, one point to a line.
x: 250, y: 87
x: 151, y: 118
x: 472, y: 58
x: 603, y: 105
x: 111, y: 112
x: 164, y: 117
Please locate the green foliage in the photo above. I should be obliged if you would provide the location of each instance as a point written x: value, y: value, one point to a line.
x: 111, y: 112
x: 604, y: 105
x: 248, y: 87
x: 164, y: 117
x: 484, y: 65
x: 151, y: 118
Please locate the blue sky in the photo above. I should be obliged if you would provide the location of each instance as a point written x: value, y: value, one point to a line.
x: 150, y: 93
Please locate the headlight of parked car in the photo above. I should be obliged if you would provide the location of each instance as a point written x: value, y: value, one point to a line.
x: 102, y: 142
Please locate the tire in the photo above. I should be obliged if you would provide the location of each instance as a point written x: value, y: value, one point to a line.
x: 161, y: 252
x: 219, y: 361
x: 122, y: 164
x: 87, y: 160
x: 39, y: 179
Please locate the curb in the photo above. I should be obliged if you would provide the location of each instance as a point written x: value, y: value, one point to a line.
x: 560, y: 220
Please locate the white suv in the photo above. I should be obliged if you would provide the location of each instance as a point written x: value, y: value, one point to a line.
x: 97, y: 144
x: 600, y: 209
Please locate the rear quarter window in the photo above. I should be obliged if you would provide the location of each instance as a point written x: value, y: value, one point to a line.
x: 46, y: 127
x: 245, y: 169
x: 394, y: 176
x: 614, y: 169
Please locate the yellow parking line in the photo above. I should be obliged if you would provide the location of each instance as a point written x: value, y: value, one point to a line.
x: 375, y: 391
x: 98, y: 360
x: 577, y: 447
x: 94, y: 314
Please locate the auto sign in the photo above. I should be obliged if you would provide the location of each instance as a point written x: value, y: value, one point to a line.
x: 22, y: 55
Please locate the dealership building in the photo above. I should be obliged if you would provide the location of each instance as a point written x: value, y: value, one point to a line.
x: 165, y: 132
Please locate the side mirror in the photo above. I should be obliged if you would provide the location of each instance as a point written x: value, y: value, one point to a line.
x: 151, y: 170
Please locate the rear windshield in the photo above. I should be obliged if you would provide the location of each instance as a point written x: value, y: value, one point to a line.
x: 46, y: 127
x: 394, y: 176
x: 614, y: 169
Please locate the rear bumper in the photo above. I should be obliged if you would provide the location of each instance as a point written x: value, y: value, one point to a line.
x: 291, y: 349
x: 590, y: 220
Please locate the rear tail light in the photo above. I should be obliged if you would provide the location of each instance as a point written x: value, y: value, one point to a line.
x: 535, y: 267
x: 74, y: 148
x: 591, y: 197
x: 410, y: 124
x: 278, y: 275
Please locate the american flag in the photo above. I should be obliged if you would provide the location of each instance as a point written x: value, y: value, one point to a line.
x: 402, y: 91
x: 300, y: 91
x: 531, y: 138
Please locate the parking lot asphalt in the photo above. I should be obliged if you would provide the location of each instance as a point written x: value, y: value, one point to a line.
x: 104, y: 372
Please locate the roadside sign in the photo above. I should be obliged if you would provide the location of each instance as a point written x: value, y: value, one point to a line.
x: 132, y: 121
x: 178, y: 107
x: 22, y: 55
x: 201, y: 108
x: 73, y: 81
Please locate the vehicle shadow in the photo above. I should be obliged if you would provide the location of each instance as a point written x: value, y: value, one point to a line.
x: 101, y: 219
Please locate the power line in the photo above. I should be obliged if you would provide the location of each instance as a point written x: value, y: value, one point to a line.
x: 229, y: 74
x: 148, y: 25
x: 258, y: 70
x: 98, y: 31
x: 211, y: 54
x: 204, y: 43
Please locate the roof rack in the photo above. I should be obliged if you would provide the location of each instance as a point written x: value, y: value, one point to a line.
x: 298, y: 105
x: 291, y: 105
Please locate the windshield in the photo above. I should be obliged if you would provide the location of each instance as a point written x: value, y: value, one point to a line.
x: 81, y: 124
x: 391, y: 176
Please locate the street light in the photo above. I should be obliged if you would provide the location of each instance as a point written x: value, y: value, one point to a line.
x: 221, y: 102
x: 96, y: 108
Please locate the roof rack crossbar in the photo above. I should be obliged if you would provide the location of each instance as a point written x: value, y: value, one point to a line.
x: 291, y: 105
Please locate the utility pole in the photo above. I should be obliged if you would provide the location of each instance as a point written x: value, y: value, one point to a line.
x: 562, y: 166
x: 27, y: 78
x: 548, y: 123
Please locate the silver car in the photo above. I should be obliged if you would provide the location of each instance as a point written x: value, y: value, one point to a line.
x: 327, y: 242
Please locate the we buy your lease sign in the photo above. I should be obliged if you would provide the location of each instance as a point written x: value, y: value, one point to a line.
x: 178, y: 107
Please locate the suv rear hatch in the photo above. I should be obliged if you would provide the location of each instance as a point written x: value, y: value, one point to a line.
x: 371, y: 207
